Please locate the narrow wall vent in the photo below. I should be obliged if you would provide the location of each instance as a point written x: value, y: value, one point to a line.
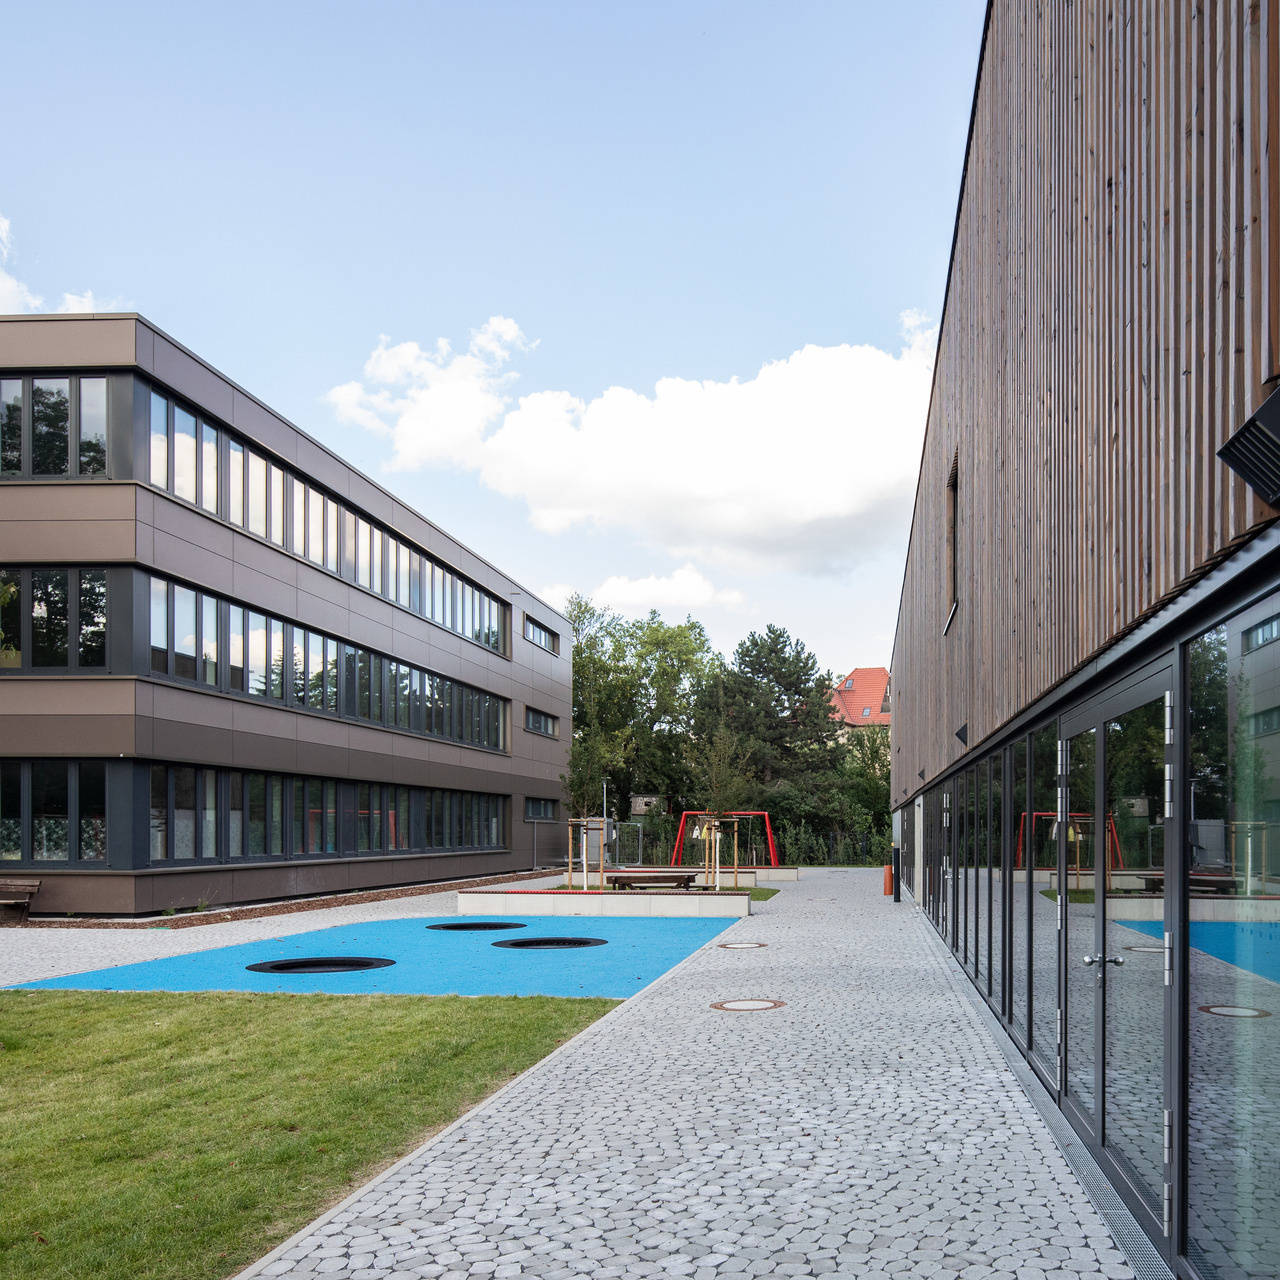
x: 1253, y: 453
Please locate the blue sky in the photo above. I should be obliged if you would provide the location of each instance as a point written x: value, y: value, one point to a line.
x: 617, y: 216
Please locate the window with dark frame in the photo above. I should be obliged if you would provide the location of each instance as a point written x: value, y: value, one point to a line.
x: 952, y: 517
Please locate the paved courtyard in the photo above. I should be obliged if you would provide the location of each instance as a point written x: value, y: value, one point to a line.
x: 870, y: 1127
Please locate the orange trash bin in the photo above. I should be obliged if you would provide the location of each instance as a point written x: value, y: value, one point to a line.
x: 888, y: 879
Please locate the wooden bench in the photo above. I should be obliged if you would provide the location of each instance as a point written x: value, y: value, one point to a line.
x: 18, y: 893
x: 652, y: 879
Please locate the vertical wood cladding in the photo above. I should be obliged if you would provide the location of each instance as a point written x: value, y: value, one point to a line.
x: 1112, y: 316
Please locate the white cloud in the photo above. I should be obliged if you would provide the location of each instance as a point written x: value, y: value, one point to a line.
x: 685, y: 589
x: 17, y: 299
x: 805, y: 465
x: 81, y: 302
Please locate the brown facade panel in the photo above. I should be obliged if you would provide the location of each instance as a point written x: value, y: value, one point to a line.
x: 1110, y: 321
x: 118, y: 893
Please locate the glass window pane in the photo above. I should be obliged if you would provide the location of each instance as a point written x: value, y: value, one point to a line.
x: 314, y: 842
x: 10, y: 618
x: 10, y: 426
x: 50, y: 832
x: 275, y: 831
x: 93, y: 426
x: 362, y: 684
x: 415, y: 582
x: 375, y: 819
x: 330, y: 817
x: 315, y: 671
x: 235, y: 815
x: 257, y: 804
x: 184, y: 633
x: 93, y: 811
x: 277, y: 657
x: 209, y: 467
x: 298, y: 836
x: 235, y: 483
x: 49, y: 618
x: 331, y: 675
x: 257, y: 495
x: 235, y: 644
x: 1231, y: 876
x: 375, y: 689
x: 50, y: 426
x: 184, y: 814
x: 159, y: 820
x: 315, y: 526
x: 184, y: 454
x: 376, y: 539
x: 331, y: 535
x: 277, y: 506
x: 348, y: 544
x: 93, y: 618
x: 299, y: 498
x: 362, y: 817
x: 208, y: 814
x: 209, y: 640
x: 362, y: 553
x: 159, y: 625
x: 10, y: 811
x: 257, y: 655
x: 299, y: 685
x: 159, y: 441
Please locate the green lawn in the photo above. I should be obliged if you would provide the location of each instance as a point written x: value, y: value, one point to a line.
x: 762, y: 895
x: 1081, y: 897
x: 182, y: 1136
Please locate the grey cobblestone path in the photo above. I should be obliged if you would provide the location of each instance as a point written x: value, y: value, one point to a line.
x: 869, y: 1128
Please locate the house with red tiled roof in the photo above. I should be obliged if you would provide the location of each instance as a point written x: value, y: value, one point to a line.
x: 862, y: 697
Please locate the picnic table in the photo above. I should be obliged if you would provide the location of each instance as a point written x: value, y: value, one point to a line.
x: 682, y: 879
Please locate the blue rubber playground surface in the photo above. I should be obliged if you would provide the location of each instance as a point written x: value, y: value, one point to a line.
x: 1251, y: 945
x: 430, y: 961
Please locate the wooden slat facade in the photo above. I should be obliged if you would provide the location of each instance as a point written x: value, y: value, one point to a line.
x: 1112, y: 317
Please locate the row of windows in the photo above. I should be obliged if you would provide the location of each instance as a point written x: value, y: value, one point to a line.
x: 187, y: 457
x: 266, y: 657
x: 53, y: 426
x: 53, y: 618
x: 53, y: 811
x: 536, y: 810
x: 542, y: 636
x: 1262, y: 633
x: 225, y: 815
x: 540, y: 722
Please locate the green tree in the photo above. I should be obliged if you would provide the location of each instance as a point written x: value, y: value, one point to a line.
x: 8, y: 594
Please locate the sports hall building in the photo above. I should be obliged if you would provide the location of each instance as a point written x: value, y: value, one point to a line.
x: 1086, y: 674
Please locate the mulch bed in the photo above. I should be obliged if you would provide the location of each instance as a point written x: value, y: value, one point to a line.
x: 190, y: 919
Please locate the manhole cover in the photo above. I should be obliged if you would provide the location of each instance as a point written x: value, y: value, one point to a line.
x: 321, y: 964
x: 469, y: 926
x: 1234, y: 1011
x: 550, y: 944
x: 747, y: 1006
x: 741, y: 946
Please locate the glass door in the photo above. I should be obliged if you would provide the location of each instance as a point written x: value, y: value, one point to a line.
x: 1114, y: 808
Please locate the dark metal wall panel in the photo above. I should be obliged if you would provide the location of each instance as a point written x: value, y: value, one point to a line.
x: 1111, y: 319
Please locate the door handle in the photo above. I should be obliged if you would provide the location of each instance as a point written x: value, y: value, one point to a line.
x: 1088, y: 960
x: 1115, y: 960
x: 1091, y: 960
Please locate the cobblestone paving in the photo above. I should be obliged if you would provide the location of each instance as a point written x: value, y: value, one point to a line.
x: 869, y: 1128
x: 29, y: 954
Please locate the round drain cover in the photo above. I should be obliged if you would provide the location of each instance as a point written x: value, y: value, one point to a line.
x: 741, y: 946
x: 747, y: 1006
x: 1234, y: 1011
x: 321, y: 964
x: 475, y: 926
x: 550, y: 944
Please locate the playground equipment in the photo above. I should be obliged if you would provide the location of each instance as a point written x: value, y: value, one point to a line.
x: 1079, y: 833
x: 677, y: 854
